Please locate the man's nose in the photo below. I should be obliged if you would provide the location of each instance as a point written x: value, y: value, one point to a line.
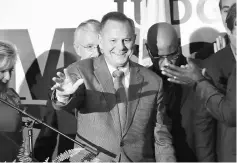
x: 166, y: 61
x: 95, y: 52
x: 120, y: 45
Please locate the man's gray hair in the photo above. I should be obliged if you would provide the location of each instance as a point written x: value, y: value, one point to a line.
x: 117, y: 16
x: 89, y: 25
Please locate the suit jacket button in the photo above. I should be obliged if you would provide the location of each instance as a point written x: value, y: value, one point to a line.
x: 121, y: 144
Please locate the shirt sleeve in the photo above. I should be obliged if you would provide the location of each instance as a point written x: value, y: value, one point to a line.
x: 221, y: 106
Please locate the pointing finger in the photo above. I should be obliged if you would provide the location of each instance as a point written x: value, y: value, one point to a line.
x: 57, y: 80
x: 218, y: 43
x: 215, y: 47
x: 61, y: 75
x: 172, y: 80
x: 223, y: 42
x: 66, y: 73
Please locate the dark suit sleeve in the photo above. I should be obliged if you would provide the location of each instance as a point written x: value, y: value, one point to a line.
x: 164, y: 151
x: 47, y: 138
x: 204, y: 127
x: 76, y: 99
x: 204, y: 134
x: 221, y: 106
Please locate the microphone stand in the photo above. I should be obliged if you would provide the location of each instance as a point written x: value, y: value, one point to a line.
x: 95, y: 152
x: 29, y: 125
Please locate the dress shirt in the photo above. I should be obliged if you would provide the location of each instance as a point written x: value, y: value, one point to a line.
x: 111, y: 70
x: 126, y: 74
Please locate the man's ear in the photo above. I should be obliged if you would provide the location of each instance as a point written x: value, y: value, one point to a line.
x: 75, y: 48
x: 100, y: 41
x: 134, y: 38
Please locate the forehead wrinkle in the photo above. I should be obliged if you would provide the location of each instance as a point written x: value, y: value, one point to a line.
x: 225, y: 7
x: 124, y: 28
x: 86, y: 36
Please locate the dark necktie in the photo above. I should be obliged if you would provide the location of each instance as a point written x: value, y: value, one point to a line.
x: 120, y: 96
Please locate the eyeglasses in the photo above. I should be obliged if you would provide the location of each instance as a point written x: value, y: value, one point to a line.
x: 89, y: 48
x: 172, y: 56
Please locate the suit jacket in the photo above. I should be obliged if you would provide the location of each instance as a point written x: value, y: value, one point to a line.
x: 180, y: 113
x: 216, y: 142
x: 98, y: 118
x: 221, y: 106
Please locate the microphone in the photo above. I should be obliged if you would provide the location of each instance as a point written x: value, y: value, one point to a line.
x: 94, y: 152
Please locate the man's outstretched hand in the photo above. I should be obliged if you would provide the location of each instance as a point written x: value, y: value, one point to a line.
x: 186, y: 74
x: 64, y: 85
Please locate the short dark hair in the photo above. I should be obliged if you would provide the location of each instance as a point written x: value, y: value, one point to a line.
x: 231, y: 17
x: 117, y: 16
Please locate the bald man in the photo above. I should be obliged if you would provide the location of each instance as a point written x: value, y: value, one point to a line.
x: 163, y: 47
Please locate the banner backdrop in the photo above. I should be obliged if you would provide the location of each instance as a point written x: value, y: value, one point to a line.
x: 43, y: 32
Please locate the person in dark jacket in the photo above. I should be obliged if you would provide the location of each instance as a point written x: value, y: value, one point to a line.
x: 163, y: 47
x: 216, y: 89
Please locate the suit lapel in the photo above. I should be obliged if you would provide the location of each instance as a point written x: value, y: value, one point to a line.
x: 135, y: 87
x: 104, y: 77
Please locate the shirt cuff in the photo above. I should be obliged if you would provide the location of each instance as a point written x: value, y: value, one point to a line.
x: 205, y: 91
x: 62, y: 99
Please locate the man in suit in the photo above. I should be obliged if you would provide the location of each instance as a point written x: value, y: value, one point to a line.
x: 86, y: 45
x: 123, y: 111
x: 218, y: 97
x: 163, y: 47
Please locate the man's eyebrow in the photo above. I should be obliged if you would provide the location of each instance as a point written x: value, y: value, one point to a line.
x: 225, y: 7
x: 90, y: 44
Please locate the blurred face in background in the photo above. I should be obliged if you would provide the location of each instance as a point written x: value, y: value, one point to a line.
x: 6, y: 68
x: 86, y: 43
x: 232, y: 37
x: 224, y: 8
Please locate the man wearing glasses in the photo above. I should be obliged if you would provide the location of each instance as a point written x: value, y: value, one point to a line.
x: 163, y: 47
x: 86, y: 39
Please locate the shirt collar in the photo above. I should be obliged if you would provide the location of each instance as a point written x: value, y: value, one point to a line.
x: 112, y: 68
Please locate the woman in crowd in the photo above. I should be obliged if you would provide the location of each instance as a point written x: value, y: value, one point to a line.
x: 10, y: 119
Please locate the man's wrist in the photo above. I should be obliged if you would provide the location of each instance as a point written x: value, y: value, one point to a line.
x: 199, y: 80
x: 62, y: 99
